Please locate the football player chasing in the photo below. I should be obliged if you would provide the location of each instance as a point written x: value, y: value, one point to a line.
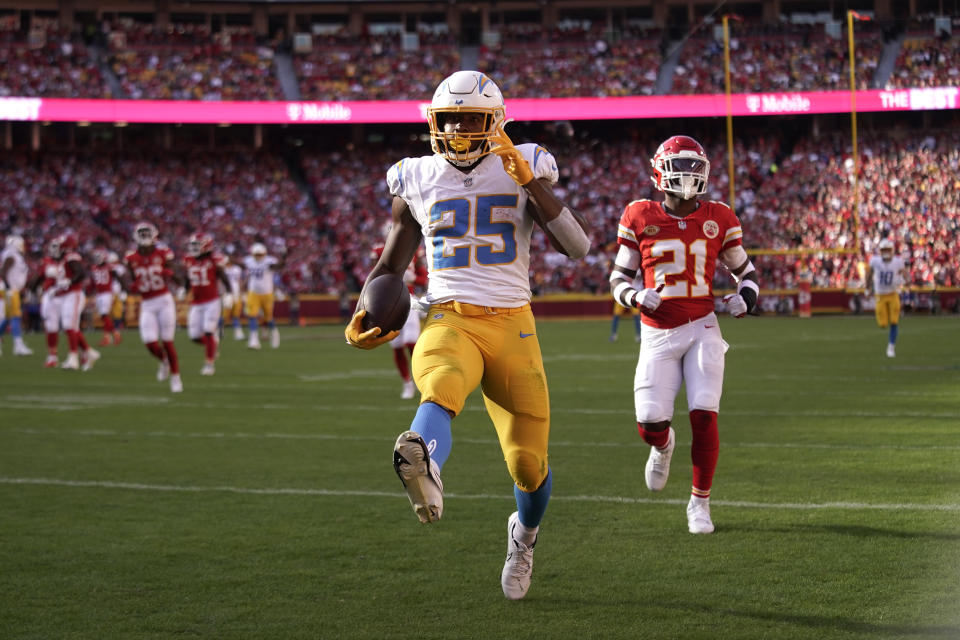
x: 13, y: 277
x: 103, y: 275
x: 149, y: 267
x: 474, y: 202
x: 885, y: 275
x: 260, y: 268
x: 205, y: 269
x: 69, y: 290
x: 672, y: 247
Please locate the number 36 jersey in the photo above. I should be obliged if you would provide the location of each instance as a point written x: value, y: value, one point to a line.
x: 475, y: 226
x: 679, y: 253
x: 150, y: 271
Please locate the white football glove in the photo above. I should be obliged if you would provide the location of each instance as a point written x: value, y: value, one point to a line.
x: 649, y: 299
x: 735, y: 305
x: 227, y: 301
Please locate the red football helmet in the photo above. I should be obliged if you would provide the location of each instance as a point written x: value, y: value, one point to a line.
x: 67, y: 242
x: 199, y: 244
x: 145, y: 234
x: 99, y: 256
x: 681, y: 167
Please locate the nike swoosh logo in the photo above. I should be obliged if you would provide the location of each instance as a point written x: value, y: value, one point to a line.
x: 709, y: 326
x: 525, y: 335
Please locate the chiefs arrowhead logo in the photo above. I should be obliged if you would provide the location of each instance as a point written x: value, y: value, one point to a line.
x: 651, y: 230
x: 711, y: 229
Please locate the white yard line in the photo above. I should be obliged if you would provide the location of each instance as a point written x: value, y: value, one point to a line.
x: 805, y: 506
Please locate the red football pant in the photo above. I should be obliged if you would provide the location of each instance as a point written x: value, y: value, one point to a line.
x: 704, y: 451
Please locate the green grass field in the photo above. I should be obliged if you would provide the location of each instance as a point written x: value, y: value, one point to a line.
x: 261, y: 503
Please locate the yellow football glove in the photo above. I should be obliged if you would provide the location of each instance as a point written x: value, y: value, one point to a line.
x: 357, y: 337
x: 513, y: 161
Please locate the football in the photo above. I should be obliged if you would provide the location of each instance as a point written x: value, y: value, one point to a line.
x: 387, y: 302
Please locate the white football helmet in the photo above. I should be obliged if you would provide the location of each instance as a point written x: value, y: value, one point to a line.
x: 681, y: 167
x: 258, y: 249
x: 145, y: 234
x: 465, y: 91
x: 15, y: 243
x: 886, y: 248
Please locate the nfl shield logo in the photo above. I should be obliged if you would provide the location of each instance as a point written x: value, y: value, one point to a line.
x: 682, y: 224
x: 468, y: 182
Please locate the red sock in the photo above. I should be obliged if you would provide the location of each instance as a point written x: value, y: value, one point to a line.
x: 210, y: 346
x: 155, y: 348
x: 172, y: 357
x: 108, y: 323
x: 410, y: 346
x: 400, y: 358
x: 654, y: 438
x: 704, y: 450
x: 52, y: 340
x: 73, y: 340
x: 82, y: 341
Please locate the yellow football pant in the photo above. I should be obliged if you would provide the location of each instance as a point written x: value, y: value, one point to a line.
x: 257, y: 302
x: 623, y: 311
x: 12, y: 303
x: 236, y: 311
x: 463, y: 346
x: 888, y: 309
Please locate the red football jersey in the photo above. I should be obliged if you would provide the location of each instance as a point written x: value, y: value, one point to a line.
x: 150, y: 271
x: 68, y: 272
x: 680, y: 253
x: 202, y: 272
x: 102, y: 277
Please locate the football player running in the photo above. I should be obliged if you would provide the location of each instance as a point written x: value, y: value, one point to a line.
x: 885, y: 275
x: 103, y: 274
x: 232, y: 313
x: 13, y: 275
x: 149, y: 267
x: 260, y: 268
x: 672, y: 247
x: 69, y: 290
x: 204, y: 270
x: 474, y: 202
x: 46, y: 281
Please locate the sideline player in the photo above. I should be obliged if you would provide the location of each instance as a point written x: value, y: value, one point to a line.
x: 885, y: 275
x: 233, y: 312
x: 672, y: 247
x: 104, y: 277
x: 13, y: 274
x: 204, y: 270
x: 149, y: 266
x: 618, y: 311
x: 475, y: 202
x: 260, y: 268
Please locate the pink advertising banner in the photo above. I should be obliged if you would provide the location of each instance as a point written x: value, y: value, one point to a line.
x: 305, y: 112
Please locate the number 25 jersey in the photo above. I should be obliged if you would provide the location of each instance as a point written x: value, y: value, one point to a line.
x: 475, y: 226
x: 679, y: 253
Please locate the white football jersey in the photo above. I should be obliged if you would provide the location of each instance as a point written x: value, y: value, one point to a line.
x: 234, y: 273
x: 475, y: 226
x: 886, y: 274
x: 17, y: 274
x: 260, y: 273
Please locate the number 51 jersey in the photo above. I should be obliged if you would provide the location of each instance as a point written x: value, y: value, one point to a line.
x: 679, y: 253
x: 475, y: 225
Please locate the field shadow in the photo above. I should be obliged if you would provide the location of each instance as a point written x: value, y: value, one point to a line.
x: 854, y: 530
x: 824, y: 623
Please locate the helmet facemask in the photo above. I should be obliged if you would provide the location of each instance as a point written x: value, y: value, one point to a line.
x: 465, y: 92
x: 145, y: 235
x: 683, y: 174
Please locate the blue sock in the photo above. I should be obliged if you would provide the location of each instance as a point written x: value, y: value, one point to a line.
x: 253, y: 325
x: 532, y: 505
x: 893, y: 333
x: 15, y: 329
x: 613, y: 324
x: 236, y: 323
x: 3, y: 323
x: 432, y: 422
x: 272, y: 324
x: 636, y: 323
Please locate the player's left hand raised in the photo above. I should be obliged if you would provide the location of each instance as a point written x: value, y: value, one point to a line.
x: 357, y: 337
x: 513, y: 161
x: 735, y: 305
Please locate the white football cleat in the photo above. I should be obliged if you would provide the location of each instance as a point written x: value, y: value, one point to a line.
x: 238, y: 334
x: 274, y: 338
x: 51, y: 361
x: 90, y: 357
x: 163, y: 371
x: 21, y: 349
x: 408, y: 390
x: 891, y: 351
x: 518, y: 568
x: 176, y: 384
x: 698, y: 515
x: 72, y: 362
x: 658, y: 464
x: 254, y: 341
x: 420, y: 476
x: 208, y: 369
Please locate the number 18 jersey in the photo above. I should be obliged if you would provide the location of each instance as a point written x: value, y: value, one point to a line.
x: 475, y: 225
x: 679, y: 253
